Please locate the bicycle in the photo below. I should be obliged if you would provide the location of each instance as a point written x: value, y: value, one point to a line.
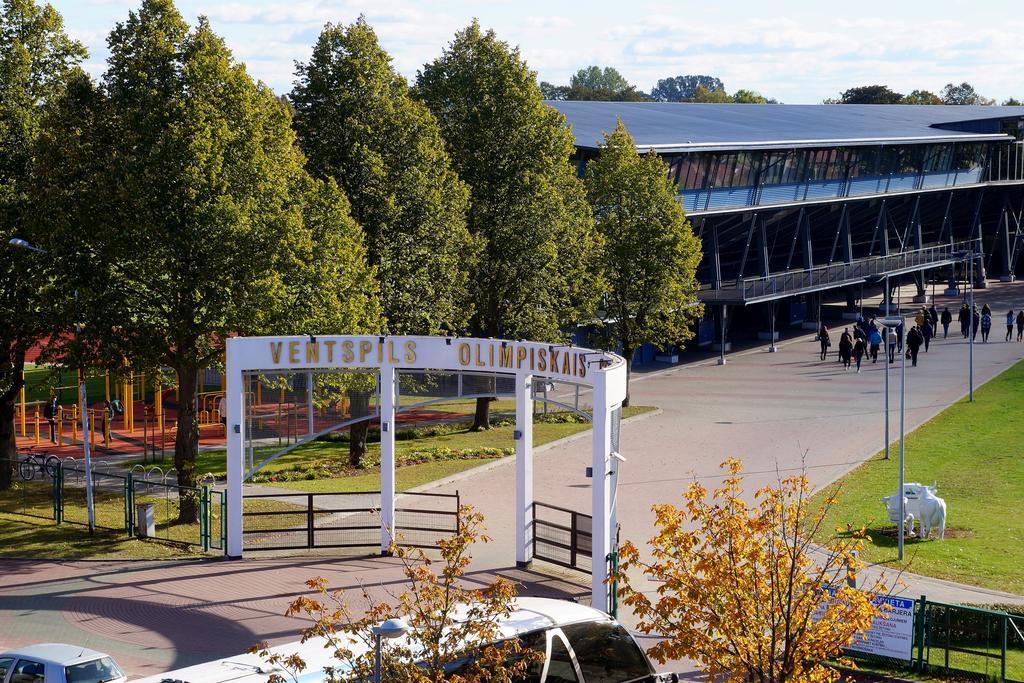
x: 45, y: 463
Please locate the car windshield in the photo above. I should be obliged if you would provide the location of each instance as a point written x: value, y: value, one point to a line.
x: 96, y: 671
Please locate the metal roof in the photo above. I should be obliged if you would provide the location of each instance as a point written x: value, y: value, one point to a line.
x: 675, y: 126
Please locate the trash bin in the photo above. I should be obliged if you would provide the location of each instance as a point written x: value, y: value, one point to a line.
x: 145, y: 520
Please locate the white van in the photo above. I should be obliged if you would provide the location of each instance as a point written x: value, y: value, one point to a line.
x: 580, y: 644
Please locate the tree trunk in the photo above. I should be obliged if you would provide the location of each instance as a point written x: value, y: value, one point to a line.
x: 482, y: 417
x: 8, y: 446
x: 186, y: 444
x: 359, y: 403
x: 628, y: 355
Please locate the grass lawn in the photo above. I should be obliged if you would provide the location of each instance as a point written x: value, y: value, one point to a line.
x: 973, y: 451
x: 214, y: 461
x: 406, y: 478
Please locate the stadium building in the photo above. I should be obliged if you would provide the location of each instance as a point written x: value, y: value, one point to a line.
x: 799, y: 205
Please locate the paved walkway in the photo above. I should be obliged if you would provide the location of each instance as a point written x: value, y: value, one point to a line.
x: 778, y: 412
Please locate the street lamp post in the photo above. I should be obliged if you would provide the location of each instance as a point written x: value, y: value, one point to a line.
x: 390, y: 629
x: 970, y: 344
x: 82, y: 400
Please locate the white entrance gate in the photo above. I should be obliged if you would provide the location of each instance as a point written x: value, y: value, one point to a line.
x: 604, y: 373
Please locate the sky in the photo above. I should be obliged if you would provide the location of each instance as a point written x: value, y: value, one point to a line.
x: 799, y: 52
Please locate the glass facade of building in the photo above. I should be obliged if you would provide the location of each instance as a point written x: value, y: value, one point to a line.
x: 719, y: 180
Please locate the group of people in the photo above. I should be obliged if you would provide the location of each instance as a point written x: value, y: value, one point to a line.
x: 971, y: 320
x: 51, y: 411
x: 866, y: 337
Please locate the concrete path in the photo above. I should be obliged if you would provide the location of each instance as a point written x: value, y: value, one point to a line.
x: 777, y: 412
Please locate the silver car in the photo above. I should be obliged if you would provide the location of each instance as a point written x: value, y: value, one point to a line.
x: 58, y: 663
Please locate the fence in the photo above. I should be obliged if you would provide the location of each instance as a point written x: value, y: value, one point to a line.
x: 562, y: 536
x: 298, y: 521
x: 47, y: 488
x: 969, y: 642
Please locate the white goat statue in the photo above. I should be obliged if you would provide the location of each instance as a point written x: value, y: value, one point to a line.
x: 933, y: 513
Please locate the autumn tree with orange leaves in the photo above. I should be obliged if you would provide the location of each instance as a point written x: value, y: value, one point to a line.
x: 452, y: 629
x: 744, y: 591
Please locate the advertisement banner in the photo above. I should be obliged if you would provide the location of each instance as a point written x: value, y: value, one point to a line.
x: 891, y: 633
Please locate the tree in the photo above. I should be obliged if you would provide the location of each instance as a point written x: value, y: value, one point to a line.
x: 37, y: 59
x: 964, y: 93
x: 870, y: 94
x: 744, y: 590
x: 527, y: 205
x: 1011, y: 102
x: 706, y: 96
x: 649, y: 256
x: 358, y: 125
x: 594, y: 84
x: 684, y: 88
x: 742, y: 96
x: 177, y: 198
x: 921, y: 97
x: 442, y: 617
x: 596, y: 78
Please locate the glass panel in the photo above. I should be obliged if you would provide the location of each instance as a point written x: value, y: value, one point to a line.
x: 27, y: 671
x: 96, y: 671
x: 794, y: 167
x: 967, y: 155
x: 560, y: 666
x: 606, y: 653
x: 5, y: 664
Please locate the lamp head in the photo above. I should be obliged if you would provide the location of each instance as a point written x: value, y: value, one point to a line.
x: 391, y: 629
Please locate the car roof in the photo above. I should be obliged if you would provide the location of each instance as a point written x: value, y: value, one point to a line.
x: 529, y: 614
x: 55, y: 653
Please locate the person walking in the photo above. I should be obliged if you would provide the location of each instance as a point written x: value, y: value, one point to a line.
x: 845, y: 348
x: 858, y: 352
x: 824, y: 341
x: 921, y: 316
x: 975, y: 321
x: 985, y: 309
x: 914, y: 341
x: 965, y: 319
x: 875, y: 339
x: 1009, y: 325
x: 891, y: 334
x: 986, y: 326
x: 933, y: 315
x: 50, y: 411
x: 947, y: 318
x: 1020, y: 324
x: 927, y: 331
x: 900, y: 329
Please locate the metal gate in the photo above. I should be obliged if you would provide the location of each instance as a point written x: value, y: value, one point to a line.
x: 299, y: 521
x: 563, y: 537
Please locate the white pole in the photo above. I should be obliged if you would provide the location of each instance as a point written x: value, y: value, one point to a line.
x: 903, y: 413
x: 236, y: 431
x: 524, y: 471
x: 387, y: 457
x: 970, y: 343
x: 885, y: 352
x: 600, y: 486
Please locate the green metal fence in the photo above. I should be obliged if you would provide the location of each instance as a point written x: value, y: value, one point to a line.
x: 960, y: 640
x: 57, y: 492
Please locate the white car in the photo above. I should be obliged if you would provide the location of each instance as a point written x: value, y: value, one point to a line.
x: 58, y: 663
x: 580, y: 645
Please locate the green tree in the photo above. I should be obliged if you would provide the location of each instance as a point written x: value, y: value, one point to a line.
x: 594, y: 84
x: 870, y: 94
x: 178, y: 198
x: 964, y: 93
x: 1011, y: 102
x: 650, y: 254
x: 37, y: 58
x: 703, y: 95
x: 684, y: 88
x: 743, y: 96
x: 921, y: 97
x: 527, y: 205
x: 357, y: 124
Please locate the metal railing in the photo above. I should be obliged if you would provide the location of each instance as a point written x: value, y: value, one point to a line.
x: 562, y: 536
x: 837, y: 274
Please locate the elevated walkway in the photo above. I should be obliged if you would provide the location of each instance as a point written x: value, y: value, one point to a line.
x: 803, y: 281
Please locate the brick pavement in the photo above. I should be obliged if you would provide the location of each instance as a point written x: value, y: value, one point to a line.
x: 779, y: 412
